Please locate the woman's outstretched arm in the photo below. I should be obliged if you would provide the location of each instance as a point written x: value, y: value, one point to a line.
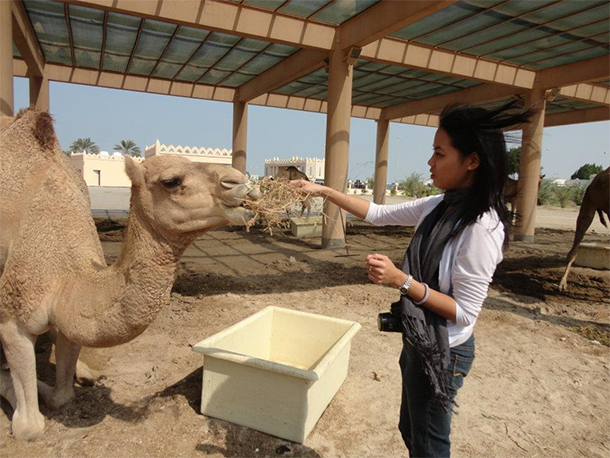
x: 354, y: 205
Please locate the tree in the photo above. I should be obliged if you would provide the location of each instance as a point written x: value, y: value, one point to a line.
x: 514, y: 157
x: 128, y: 148
x: 84, y: 145
x: 370, y: 183
x: 413, y: 186
x: 585, y: 172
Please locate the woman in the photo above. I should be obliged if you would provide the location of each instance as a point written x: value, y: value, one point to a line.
x: 448, y: 265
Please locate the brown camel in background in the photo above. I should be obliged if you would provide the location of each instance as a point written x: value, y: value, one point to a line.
x: 597, y: 199
x: 292, y: 173
x: 511, y: 190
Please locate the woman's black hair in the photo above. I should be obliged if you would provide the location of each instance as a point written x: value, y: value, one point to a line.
x: 479, y: 130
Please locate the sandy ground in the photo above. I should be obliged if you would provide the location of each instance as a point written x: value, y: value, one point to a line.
x: 540, y: 384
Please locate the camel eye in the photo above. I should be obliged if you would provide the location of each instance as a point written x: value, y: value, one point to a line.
x: 172, y: 183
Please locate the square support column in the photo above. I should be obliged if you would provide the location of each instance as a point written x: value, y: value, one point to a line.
x: 6, y: 58
x: 39, y: 93
x: 240, y: 135
x: 381, y: 161
x: 529, y: 168
x: 337, y: 145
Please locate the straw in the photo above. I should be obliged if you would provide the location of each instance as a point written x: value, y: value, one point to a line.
x: 278, y: 200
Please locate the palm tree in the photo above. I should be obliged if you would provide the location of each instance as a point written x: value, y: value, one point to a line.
x: 84, y: 145
x: 128, y: 147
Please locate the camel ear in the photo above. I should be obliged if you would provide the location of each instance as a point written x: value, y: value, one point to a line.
x: 134, y: 171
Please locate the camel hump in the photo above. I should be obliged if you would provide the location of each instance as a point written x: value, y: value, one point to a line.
x: 41, y: 126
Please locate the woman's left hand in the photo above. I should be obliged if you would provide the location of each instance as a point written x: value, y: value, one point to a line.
x: 382, y: 271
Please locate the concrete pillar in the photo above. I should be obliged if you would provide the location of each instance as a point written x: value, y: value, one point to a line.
x: 337, y: 145
x: 240, y: 135
x: 381, y: 161
x: 529, y: 167
x: 39, y: 93
x: 6, y: 58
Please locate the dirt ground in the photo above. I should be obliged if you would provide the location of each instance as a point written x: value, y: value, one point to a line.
x: 540, y: 384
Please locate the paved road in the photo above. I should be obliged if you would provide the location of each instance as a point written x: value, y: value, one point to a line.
x: 114, y: 203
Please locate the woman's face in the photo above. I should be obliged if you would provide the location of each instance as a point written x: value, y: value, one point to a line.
x: 448, y: 168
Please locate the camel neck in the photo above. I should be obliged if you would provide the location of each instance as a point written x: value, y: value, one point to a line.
x: 115, y: 305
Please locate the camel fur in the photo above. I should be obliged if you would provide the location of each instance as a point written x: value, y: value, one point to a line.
x: 596, y: 200
x: 53, y: 272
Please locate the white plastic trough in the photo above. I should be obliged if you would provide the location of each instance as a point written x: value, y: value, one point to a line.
x: 594, y: 255
x: 308, y: 226
x: 275, y: 371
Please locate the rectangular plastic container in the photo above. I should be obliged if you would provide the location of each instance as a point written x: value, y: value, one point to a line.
x: 275, y: 371
x: 593, y: 255
x: 310, y: 226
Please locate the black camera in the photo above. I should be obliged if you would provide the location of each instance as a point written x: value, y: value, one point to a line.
x: 390, y: 321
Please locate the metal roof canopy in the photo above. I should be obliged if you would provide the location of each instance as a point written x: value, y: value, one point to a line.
x: 274, y: 53
x: 386, y: 60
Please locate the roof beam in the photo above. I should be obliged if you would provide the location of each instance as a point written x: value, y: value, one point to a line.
x: 226, y: 17
x: 477, y: 94
x: 396, y: 52
x: 111, y: 80
x: 26, y: 41
x: 292, y: 68
x: 577, y: 117
x: 578, y: 72
x: 384, y: 18
x: 587, y: 93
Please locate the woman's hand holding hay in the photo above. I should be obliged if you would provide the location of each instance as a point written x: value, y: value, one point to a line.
x: 278, y: 198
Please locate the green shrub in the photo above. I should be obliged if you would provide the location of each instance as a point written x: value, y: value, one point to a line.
x: 564, y: 195
x: 578, y: 194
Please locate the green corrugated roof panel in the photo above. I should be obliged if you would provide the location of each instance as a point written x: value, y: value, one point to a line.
x: 571, y: 58
x: 437, y: 20
x: 153, y: 39
x: 190, y: 73
x: 121, y: 34
x: 293, y: 87
x: 339, y: 12
x: 240, y: 54
x: 49, y: 23
x: 166, y: 70
x: 303, y: 8
x: 312, y: 90
x: 237, y: 79
x: 213, y: 77
x: 87, y: 27
x: 265, y: 4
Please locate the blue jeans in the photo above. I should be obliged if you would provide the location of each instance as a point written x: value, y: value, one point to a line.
x: 424, y: 424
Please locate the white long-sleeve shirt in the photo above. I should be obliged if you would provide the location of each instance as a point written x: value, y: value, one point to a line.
x: 467, y: 264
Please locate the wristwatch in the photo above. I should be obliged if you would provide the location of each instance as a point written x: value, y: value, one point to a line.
x: 404, y: 289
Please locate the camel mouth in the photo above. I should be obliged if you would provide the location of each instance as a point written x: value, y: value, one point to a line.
x: 238, y: 214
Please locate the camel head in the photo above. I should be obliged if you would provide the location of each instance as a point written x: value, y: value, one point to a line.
x: 179, y: 197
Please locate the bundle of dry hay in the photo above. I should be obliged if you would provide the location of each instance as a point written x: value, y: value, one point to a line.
x: 277, y: 201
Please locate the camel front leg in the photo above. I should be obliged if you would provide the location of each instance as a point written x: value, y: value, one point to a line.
x: 66, y: 357
x: 20, y: 390
x: 584, y: 220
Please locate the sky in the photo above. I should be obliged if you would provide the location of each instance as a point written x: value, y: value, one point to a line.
x: 108, y: 116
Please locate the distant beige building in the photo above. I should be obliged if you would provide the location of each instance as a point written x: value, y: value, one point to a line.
x: 312, y: 167
x: 106, y: 169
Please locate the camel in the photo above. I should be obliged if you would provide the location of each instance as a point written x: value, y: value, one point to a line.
x: 596, y: 199
x: 511, y: 190
x: 54, y: 275
x: 292, y: 173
